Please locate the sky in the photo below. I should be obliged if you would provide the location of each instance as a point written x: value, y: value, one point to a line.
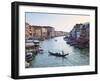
x: 61, y: 22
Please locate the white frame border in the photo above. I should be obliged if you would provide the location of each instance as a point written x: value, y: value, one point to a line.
x: 53, y: 70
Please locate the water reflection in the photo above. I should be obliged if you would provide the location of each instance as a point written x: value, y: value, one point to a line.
x: 76, y: 56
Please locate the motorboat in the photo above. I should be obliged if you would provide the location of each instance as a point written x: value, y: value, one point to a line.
x: 40, y: 49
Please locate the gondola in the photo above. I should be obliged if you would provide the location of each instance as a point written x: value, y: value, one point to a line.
x: 58, y: 54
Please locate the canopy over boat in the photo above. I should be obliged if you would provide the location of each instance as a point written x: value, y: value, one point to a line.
x: 36, y: 41
x: 28, y: 41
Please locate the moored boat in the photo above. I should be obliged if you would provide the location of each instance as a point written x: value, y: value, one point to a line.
x: 28, y: 57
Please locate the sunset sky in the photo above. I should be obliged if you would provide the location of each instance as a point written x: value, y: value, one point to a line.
x: 61, y: 22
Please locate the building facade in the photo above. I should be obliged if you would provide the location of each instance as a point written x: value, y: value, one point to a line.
x: 79, y: 35
x: 39, y: 32
x: 29, y: 31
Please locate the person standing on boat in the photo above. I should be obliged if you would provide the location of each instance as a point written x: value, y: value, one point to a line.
x: 62, y: 52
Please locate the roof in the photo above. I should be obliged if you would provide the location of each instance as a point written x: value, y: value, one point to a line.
x: 41, y: 26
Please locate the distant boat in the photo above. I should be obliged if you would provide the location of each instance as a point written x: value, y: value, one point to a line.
x: 40, y: 49
x: 58, y: 54
x: 55, y: 40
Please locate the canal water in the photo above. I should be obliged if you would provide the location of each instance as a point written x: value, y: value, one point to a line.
x: 76, y: 56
